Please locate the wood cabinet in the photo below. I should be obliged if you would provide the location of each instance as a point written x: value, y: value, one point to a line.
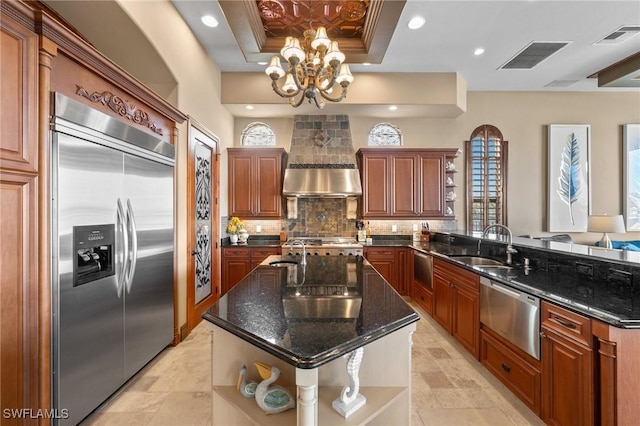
x: 238, y: 261
x: 393, y: 264
x: 568, y: 392
x: 41, y: 55
x: 19, y: 228
x: 456, y: 303
x: 405, y: 183
x: 255, y: 182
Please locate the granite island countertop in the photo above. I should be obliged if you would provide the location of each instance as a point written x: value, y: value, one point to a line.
x: 310, y: 315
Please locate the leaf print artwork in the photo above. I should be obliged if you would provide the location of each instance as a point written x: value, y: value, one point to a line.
x: 569, y: 181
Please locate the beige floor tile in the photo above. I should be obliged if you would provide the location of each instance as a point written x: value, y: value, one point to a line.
x: 118, y: 419
x: 449, y: 387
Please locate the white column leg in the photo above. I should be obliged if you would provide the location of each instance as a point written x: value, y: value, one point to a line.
x: 307, y: 383
x: 350, y: 399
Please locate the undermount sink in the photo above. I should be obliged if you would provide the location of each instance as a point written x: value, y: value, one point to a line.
x: 490, y: 267
x: 283, y: 263
x: 479, y: 261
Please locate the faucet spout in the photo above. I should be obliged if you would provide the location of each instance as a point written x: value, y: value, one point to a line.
x: 510, y: 249
x: 304, y: 250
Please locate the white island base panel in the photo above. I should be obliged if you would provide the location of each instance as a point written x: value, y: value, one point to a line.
x: 385, y: 381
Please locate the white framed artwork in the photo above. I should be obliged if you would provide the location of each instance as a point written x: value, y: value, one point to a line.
x: 631, y: 176
x: 569, y: 194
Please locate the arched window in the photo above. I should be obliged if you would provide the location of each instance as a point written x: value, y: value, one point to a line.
x: 384, y: 134
x: 258, y: 134
x: 486, y: 161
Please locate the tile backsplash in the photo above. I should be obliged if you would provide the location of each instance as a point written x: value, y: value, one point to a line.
x: 328, y: 217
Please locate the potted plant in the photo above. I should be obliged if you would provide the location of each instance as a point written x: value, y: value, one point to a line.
x: 234, y: 227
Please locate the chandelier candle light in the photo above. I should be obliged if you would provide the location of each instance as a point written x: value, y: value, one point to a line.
x: 313, y: 70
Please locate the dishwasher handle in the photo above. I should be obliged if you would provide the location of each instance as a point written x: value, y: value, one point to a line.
x: 524, y: 297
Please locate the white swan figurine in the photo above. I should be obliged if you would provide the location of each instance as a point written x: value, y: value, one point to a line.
x: 247, y: 389
x: 272, y: 399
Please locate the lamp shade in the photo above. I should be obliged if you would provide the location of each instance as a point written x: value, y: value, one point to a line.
x: 605, y: 223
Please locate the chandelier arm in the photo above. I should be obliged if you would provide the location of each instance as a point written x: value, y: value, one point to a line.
x: 294, y: 103
x: 301, y: 87
x: 342, y: 95
x: 334, y: 75
x: 279, y: 92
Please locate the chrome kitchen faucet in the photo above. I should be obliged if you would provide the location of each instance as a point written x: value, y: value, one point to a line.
x: 304, y: 250
x: 510, y: 249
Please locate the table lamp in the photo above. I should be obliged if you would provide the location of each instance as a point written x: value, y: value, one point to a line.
x: 606, y: 224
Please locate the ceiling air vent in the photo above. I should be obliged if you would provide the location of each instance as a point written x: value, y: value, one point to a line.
x: 621, y: 34
x: 533, y: 54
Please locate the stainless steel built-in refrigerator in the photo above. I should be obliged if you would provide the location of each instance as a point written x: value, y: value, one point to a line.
x: 112, y: 277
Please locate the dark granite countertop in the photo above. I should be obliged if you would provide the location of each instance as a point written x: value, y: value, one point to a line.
x: 311, y: 315
x: 255, y: 241
x: 610, y: 292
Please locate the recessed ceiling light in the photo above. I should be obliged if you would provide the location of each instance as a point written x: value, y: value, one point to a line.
x: 249, y: 107
x: 416, y: 22
x: 209, y: 21
x: 262, y: 63
x: 393, y: 108
x: 366, y: 64
x: 479, y: 51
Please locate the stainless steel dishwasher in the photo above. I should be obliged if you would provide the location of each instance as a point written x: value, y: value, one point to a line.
x: 513, y: 314
x: 423, y: 269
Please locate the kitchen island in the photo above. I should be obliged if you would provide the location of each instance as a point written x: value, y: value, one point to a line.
x: 304, y: 320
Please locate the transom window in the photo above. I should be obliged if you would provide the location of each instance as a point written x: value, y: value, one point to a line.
x: 486, y: 162
x: 384, y: 134
x: 258, y: 134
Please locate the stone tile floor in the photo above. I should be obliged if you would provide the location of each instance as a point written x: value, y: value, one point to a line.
x: 449, y: 387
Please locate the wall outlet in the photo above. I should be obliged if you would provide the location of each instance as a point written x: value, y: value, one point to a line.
x: 258, y: 229
x: 415, y: 226
x: 394, y: 228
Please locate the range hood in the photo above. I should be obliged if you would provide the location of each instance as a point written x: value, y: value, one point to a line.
x: 321, y: 182
x: 321, y: 161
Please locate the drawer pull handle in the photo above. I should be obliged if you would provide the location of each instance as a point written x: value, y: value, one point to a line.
x: 565, y: 323
x: 505, y: 367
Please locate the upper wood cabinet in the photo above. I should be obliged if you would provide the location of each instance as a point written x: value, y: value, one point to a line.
x: 405, y: 183
x: 255, y: 182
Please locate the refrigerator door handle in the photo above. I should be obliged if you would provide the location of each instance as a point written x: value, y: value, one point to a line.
x: 133, y: 254
x: 121, y: 253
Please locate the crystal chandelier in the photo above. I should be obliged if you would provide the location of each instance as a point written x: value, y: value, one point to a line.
x: 313, y: 69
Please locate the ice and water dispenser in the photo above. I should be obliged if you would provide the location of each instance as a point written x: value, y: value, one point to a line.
x: 94, y: 247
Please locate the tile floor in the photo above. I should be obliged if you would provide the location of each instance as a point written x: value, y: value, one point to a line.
x: 449, y: 387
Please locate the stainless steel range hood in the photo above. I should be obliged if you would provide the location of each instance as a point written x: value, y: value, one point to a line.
x: 321, y: 182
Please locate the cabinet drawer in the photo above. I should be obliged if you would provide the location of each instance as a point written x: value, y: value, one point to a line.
x: 236, y: 252
x: 423, y: 297
x: 456, y: 274
x: 566, y: 323
x: 522, y: 378
x: 379, y: 252
x: 263, y: 252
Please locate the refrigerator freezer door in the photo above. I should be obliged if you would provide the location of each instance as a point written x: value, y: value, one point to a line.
x: 88, y: 318
x: 149, y: 286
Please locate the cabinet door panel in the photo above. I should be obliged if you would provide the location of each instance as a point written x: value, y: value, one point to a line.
x: 19, y: 97
x: 567, y: 381
x: 432, y: 186
x: 268, y: 188
x: 375, y: 199
x: 18, y: 281
x: 240, y: 188
x: 466, y: 318
x: 403, y: 186
x: 442, y: 301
